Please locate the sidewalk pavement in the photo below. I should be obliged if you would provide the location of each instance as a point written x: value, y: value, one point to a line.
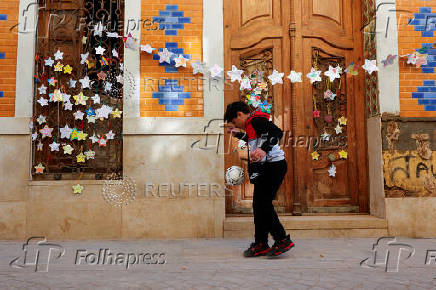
x: 217, y: 264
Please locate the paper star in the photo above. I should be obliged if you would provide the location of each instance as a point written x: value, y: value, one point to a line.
x: 56, y: 96
x: 84, y: 57
x: 101, y: 75
x: 130, y: 42
x: 411, y: 58
x: 110, y: 135
x: 89, y: 154
x: 43, y: 102
x: 422, y: 60
x: 68, y: 106
x: 389, y: 60
x: 295, y: 77
x: 81, y: 136
x: 46, y: 131
x: 352, y: 69
x: 314, y: 76
x: 74, y: 134
x: 49, y: 62
x: 332, y: 73
x: 84, y: 39
x: 42, y: 90
x: 165, y: 56
x: 121, y: 67
x: 66, y: 97
x: 90, y: 111
x: 338, y: 129
x: 67, y: 149
x: 54, y: 146
x: 198, y: 67
x: 58, y: 66
x: 180, y: 61
x: 72, y: 83
x: 77, y: 189
x: 102, y: 142
x: 66, y: 132
x: 332, y: 171
x: 41, y: 120
x: 370, y: 66
x: 147, y: 48
x: 114, y: 53
x: 235, y: 74
x: 315, y: 155
x: 316, y: 113
x: 39, y: 146
x: 100, y: 50
x: 329, y: 95
x: 103, y: 112
x: 98, y: 29
x: 59, y: 55
x: 94, y: 139
x: 343, y: 154
x: 117, y: 113
x: 276, y: 77
x: 39, y: 169
x: 342, y: 121
x: 78, y: 115
x: 107, y: 86
x: 120, y: 79
x: 90, y: 119
x: 68, y: 69
x: 34, y: 136
x: 245, y: 84
x: 80, y: 99
x: 112, y: 34
x: 216, y: 71
x: 96, y: 99
x: 325, y: 136
x: 52, y: 81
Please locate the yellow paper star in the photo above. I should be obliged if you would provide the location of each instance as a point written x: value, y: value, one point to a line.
x: 68, y: 69
x: 315, y: 155
x: 80, y: 99
x: 58, y: 66
x: 343, y: 154
x: 82, y: 136
x: 117, y: 113
x: 74, y: 134
x: 39, y: 169
x: 342, y: 121
x: 58, y: 96
x: 77, y: 189
x: 81, y: 157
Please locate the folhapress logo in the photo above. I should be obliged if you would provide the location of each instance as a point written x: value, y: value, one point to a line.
x: 38, y: 254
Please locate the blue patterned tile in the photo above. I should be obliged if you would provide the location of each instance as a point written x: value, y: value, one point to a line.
x: 171, y: 108
x: 3, y: 17
x: 1, y: 94
x: 2, y: 55
x: 172, y: 7
x: 425, y: 10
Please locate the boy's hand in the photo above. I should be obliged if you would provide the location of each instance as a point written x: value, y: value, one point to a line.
x: 231, y: 130
x: 257, y: 155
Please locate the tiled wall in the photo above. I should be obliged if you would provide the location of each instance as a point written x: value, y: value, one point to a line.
x: 167, y: 91
x: 8, y: 56
x: 416, y: 30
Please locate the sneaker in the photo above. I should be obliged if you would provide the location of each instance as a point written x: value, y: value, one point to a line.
x: 256, y: 250
x: 281, y: 246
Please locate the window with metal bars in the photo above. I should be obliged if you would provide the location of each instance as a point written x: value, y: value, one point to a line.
x: 78, y: 98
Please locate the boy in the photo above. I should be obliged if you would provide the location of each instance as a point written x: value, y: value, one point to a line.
x: 263, y: 138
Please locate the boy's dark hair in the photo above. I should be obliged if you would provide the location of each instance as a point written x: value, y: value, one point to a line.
x: 233, y: 109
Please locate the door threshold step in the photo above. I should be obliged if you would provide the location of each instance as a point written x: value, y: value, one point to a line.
x: 338, y: 226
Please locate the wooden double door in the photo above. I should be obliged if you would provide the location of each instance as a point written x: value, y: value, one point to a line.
x: 298, y: 35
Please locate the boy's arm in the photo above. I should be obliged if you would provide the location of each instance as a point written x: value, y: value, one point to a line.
x: 241, y: 136
x: 267, y: 131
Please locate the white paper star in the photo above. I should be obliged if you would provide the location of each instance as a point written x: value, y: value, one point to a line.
x: 332, y: 73
x: 295, y: 77
x: 235, y: 74
x: 59, y: 55
x: 245, y: 84
x: 68, y: 149
x: 42, y: 90
x: 332, y: 171
x: 114, y: 53
x: 121, y: 66
x: 66, y: 132
x: 72, y: 83
x: 49, y: 62
x: 78, y: 115
x: 98, y: 29
x: 96, y: 99
x: 89, y: 154
x: 120, y: 79
x: 198, y: 67
x: 314, y: 76
x: 338, y: 129
x: 110, y: 135
x: 147, y: 48
x: 41, y: 120
x: 94, y: 139
x: 216, y: 71
x: 84, y: 57
x: 165, y: 56
x: 103, y: 112
x: 85, y: 82
x: 68, y: 106
x: 39, y: 146
x: 100, y: 50
x: 90, y: 119
x: 276, y: 77
x: 107, y: 86
x: 370, y: 66
x: 180, y: 61
x: 43, y: 102
x: 112, y: 34
x: 34, y: 136
x: 54, y: 146
x: 66, y: 97
x: 325, y: 136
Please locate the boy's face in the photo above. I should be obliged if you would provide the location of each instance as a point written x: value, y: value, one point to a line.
x: 240, y: 120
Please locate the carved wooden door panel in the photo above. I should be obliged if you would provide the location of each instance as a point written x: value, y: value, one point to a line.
x: 327, y: 33
x: 256, y: 36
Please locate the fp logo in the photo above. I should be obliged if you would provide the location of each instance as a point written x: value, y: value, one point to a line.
x: 37, y: 254
x: 386, y: 253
